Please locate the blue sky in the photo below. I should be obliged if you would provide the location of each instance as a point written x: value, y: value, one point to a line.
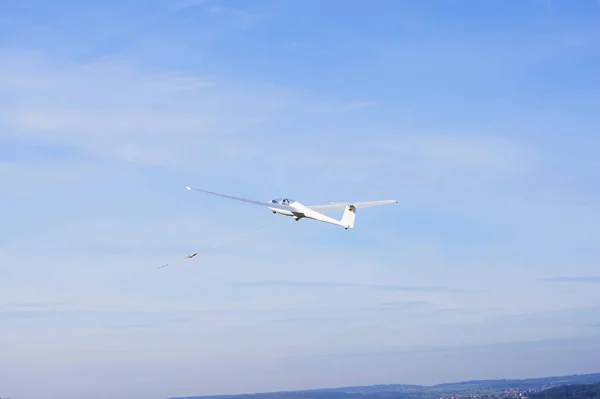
x: 480, y: 118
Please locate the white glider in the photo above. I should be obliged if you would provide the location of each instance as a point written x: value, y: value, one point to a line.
x: 289, y: 207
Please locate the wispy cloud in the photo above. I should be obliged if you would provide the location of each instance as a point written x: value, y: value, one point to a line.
x: 187, y: 120
x: 324, y: 319
x: 402, y: 305
x: 29, y: 305
x: 168, y: 321
x: 137, y: 117
x: 577, y: 279
x: 495, y: 157
x: 592, y: 342
x: 378, y: 287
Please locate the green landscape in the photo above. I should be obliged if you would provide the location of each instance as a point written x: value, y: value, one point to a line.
x: 572, y: 386
x: 569, y: 391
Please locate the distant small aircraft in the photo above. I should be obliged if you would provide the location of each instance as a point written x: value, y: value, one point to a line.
x: 191, y: 255
x: 290, y: 207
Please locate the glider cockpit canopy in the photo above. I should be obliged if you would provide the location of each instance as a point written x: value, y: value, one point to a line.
x: 282, y: 201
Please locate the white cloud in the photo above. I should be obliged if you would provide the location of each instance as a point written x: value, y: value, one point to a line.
x: 113, y: 109
x: 111, y: 106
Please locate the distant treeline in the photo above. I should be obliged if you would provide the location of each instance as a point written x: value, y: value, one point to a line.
x: 578, y: 391
x: 574, y: 386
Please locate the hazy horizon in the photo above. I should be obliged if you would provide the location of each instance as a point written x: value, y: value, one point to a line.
x: 479, y: 118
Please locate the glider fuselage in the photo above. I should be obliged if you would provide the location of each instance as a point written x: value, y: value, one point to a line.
x: 297, y: 210
x: 288, y: 207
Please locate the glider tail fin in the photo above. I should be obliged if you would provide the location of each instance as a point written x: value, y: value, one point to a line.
x: 349, y: 216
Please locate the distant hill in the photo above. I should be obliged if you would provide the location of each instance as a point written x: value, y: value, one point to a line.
x: 403, y: 391
x: 575, y: 391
